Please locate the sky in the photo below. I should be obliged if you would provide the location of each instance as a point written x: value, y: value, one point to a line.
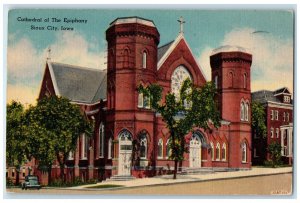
x: 267, y: 34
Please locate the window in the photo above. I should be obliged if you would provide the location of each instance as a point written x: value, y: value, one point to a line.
x: 143, y: 148
x: 143, y: 101
x: 160, y: 149
x: 126, y: 59
x: 13, y: 172
x: 218, y: 152
x: 246, y: 112
x: 146, y: 102
x: 84, y: 146
x: 71, y: 155
x: 245, y: 80
x: 212, y: 151
x: 101, y: 140
x: 109, y: 148
x: 144, y: 59
x: 272, y: 114
x: 244, y: 152
x: 140, y: 102
x: 272, y: 132
x: 277, y: 133
x: 216, y: 81
x: 286, y: 99
x: 276, y: 115
x: 287, y: 117
x: 224, y: 152
x: 168, y: 149
x: 242, y: 111
x: 283, y: 116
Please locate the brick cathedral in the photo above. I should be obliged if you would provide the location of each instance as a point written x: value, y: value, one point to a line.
x: 129, y: 138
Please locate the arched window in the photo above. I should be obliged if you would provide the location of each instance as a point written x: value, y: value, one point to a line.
x: 212, y: 151
x: 218, y: 152
x: 224, y: 152
x: 216, y: 81
x: 141, y: 100
x: 242, y: 111
x: 244, y: 152
x: 101, y: 140
x: 126, y: 58
x: 168, y: 149
x: 160, y: 149
x: 246, y: 114
x: 230, y: 79
x: 245, y: 81
x: 143, y: 147
x: 109, y: 150
x: 144, y: 59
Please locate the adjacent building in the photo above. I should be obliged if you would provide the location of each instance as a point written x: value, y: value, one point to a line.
x: 278, y: 107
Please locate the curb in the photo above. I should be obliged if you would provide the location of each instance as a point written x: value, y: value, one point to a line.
x: 162, y: 184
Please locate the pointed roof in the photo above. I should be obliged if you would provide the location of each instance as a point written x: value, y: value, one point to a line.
x: 283, y: 90
x: 79, y: 84
x: 167, y: 49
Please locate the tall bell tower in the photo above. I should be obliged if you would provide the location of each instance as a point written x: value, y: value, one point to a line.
x: 132, y: 61
x: 231, y: 75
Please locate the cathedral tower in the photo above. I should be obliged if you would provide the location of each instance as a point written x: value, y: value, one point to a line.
x: 132, y: 61
x: 231, y: 75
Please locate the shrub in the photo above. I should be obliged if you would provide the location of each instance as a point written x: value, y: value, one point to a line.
x: 9, y: 182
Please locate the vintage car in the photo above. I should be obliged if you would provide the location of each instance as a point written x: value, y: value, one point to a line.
x: 31, y: 181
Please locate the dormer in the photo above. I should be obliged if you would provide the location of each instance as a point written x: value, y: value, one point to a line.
x: 283, y: 94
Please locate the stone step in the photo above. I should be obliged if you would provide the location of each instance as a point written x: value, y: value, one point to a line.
x: 122, y: 177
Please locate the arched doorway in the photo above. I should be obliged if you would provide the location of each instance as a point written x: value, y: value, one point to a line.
x: 195, y: 151
x: 125, y: 153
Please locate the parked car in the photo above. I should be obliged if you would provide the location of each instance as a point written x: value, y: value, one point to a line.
x: 31, y: 181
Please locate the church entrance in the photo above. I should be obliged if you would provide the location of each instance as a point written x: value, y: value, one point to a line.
x: 125, y: 153
x: 195, y: 152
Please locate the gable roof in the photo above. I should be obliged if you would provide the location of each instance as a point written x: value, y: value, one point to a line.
x: 167, y: 49
x: 79, y: 84
x: 282, y: 91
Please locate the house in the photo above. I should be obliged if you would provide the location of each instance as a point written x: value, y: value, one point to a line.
x: 278, y: 107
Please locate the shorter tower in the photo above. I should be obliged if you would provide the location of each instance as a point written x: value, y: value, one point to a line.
x: 231, y: 75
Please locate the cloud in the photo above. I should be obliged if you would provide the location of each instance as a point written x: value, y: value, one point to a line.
x: 26, y: 63
x: 272, y: 65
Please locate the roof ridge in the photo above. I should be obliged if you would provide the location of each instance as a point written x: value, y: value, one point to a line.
x: 80, y: 67
x: 100, y: 85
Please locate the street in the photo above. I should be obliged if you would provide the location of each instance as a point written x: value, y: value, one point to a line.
x: 280, y: 184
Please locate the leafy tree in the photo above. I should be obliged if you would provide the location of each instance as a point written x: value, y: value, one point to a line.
x: 53, y: 128
x: 195, y: 107
x: 275, y: 152
x: 258, y: 119
x: 15, y: 142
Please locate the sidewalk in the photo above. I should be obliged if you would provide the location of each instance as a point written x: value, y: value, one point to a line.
x: 167, y: 179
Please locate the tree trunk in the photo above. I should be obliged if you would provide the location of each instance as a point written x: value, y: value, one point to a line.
x: 17, y: 176
x: 175, y: 169
x: 49, y: 174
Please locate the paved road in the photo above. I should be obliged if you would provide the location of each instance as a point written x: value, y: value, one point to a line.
x: 260, y: 185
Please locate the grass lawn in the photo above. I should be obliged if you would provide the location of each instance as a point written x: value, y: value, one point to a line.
x: 105, y: 186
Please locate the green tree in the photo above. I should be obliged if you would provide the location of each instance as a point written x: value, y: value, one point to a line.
x: 275, y: 152
x: 53, y: 128
x: 15, y: 140
x: 258, y: 119
x: 195, y: 107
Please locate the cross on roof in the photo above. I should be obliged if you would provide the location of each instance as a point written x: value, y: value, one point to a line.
x: 181, y: 22
x: 49, y: 53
